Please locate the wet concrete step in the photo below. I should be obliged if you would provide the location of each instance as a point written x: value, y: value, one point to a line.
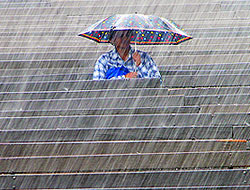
x: 118, y: 147
x: 136, y: 120
x: 161, y: 2
x: 61, y: 3
x: 79, y: 85
x: 18, y: 1
x: 70, y: 60
x: 105, y: 111
x: 24, y: 5
x: 88, y: 56
x: 147, y: 9
x: 183, y: 81
x: 91, y: 103
x: 217, y: 178
x: 88, y: 93
x: 242, y: 132
x: 184, y: 19
x: 126, y: 133
x: 50, y: 77
x: 129, y: 102
x: 211, y: 66
x: 217, y: 99
x: 144, y: 110
x: 126, y: 161
x: 84, y: 93
x: 83, y: 76
x: 133, y: 92
x: 212, y: 16
x: 233, y: 108
x: 209, y: 91
x: 228, y: 119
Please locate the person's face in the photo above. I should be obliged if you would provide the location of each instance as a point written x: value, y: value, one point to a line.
x: 122, y: 39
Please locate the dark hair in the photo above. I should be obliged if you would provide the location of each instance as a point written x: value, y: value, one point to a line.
x: 113, y: 33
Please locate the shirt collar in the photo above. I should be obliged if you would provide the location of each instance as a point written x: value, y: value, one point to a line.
x: 131, y: 51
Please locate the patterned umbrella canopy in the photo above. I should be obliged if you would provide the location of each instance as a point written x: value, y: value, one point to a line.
x: 147, y: 29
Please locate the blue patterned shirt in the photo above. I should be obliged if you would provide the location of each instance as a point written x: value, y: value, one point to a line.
x: 147, y: 68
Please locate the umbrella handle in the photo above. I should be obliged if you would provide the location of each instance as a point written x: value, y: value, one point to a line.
x: 135, y: 67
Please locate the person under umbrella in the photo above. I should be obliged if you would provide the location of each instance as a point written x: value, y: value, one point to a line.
x: 121, y: 30
x: 123, y: 61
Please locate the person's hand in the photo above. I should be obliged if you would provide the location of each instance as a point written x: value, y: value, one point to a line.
x: 131, y: 75
x: 137, y: 58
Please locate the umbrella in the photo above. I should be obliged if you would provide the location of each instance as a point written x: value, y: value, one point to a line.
x: 147, y: 29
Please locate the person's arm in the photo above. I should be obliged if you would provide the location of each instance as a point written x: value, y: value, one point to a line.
x: 100, y: 69
x: 153, y: 70
x: 148, y: 68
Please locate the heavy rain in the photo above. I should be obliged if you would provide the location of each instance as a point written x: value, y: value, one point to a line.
x: 187, y: 129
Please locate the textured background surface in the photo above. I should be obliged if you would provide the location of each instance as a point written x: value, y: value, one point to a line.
x: 60, y: 130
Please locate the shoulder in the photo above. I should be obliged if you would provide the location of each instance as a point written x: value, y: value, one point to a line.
x: 107, y: 54
x: 104, y: 56
x: 144, y: 54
